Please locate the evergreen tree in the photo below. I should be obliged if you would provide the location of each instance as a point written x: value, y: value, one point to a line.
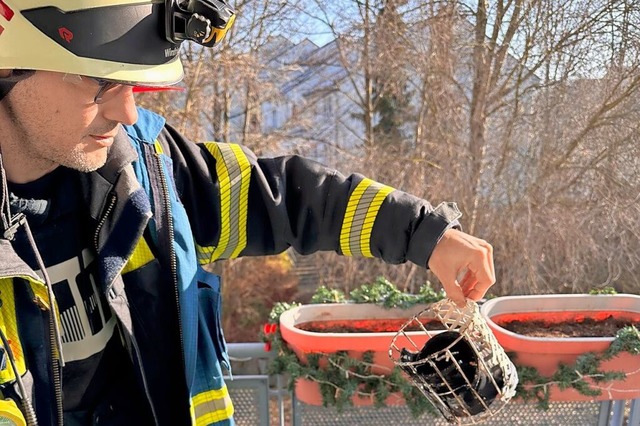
x: 392, y: 98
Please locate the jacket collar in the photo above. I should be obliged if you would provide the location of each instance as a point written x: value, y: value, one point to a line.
x: 11, y: 265
x: 120, y: 155
x: 147, y: 128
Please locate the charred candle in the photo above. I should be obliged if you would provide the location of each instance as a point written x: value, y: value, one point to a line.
x: 463, y: 371
x: 450, y: 370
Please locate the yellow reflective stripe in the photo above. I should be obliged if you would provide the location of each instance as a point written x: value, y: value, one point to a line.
x: 141, y: 256
x: 212, y: 406
x: 8, y: 317
x: 158, y: 147
x: 234, y: 173
x: 10, y: 414
x: 9, y: 326
x: 362, y: 209
x: 243, y: 202
x: 41, y: 293
x: 345, y: 232
x: 381, y: 192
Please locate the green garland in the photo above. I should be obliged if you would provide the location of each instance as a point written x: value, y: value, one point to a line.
x: 534, y: 387
x: 343, y: 377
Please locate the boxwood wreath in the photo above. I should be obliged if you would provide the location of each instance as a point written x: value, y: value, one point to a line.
x: 343, y: 377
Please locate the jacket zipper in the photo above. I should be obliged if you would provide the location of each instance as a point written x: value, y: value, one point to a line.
x: 112, y: 202
x: 136, y: 349
x: 55, y: 364
x: 172, y: 253
x: 54, y: 335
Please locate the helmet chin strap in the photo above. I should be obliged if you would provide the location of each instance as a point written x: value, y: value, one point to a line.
x: 5, y: 210
x: 9, y: 223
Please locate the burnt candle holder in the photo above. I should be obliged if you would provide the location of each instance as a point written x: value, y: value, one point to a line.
x: 462, y: 370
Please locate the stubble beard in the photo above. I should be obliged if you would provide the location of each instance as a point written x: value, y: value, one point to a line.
x: 81, y: 161
x: 38, y: 153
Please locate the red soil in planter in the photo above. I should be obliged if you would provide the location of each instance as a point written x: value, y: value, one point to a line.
x: 567, y: 324
x: 546, y: 353
x: 566, y: 334
x: 365, y: 326
x: 373, y: 334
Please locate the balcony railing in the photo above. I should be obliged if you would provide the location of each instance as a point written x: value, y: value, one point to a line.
x: 261, y: 399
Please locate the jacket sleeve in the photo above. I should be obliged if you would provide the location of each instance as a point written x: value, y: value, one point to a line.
x: 242, y: 205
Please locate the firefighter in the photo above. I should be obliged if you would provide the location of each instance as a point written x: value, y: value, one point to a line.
x: 108, y: 215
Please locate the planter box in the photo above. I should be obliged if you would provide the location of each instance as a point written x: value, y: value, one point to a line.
x: 305, y: 342
x: 547, y: 353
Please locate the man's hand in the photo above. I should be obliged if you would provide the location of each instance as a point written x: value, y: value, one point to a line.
x: 464, y: 266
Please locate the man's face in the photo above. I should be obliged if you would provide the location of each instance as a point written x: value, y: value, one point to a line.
x: 56, y: 122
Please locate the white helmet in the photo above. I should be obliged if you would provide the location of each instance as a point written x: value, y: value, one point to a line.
x: 132, y: 41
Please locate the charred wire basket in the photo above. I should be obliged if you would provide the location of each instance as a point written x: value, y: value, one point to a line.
x: 462, y: 370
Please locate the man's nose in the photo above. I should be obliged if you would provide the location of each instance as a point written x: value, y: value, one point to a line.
x: 121, y: 108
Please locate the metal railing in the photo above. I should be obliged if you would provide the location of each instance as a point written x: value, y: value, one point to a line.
x: 261, y: 399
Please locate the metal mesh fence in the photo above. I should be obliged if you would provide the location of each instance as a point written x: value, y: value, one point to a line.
x: 246, y: 401
x: 558, y: 414
x: 262, y: 400
x: 250, y: 396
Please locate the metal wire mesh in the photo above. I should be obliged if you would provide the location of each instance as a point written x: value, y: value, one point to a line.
x: 515, y: 414
x: 245, y: 402
x: 250, y: 396
x: 463, y: 372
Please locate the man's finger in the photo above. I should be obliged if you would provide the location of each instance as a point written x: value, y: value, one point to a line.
x: 475, y: 294
x: 489, y: 248
x: 453, y: 290
x: 468, y: 286
x: 483, y: 272
x: 484, y: 280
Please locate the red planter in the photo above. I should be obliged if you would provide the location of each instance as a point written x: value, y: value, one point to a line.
x: 545, y: 354
x: 305, y: 342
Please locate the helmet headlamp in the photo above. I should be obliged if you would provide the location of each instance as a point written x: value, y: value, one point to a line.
x: 203, y: 21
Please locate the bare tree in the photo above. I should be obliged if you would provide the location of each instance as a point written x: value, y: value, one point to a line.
x: 525, y: 112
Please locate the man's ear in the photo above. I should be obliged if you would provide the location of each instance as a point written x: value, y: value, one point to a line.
x: 5, y: 73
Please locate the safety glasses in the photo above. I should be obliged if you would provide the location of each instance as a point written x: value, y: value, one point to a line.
x: 106, y: 89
